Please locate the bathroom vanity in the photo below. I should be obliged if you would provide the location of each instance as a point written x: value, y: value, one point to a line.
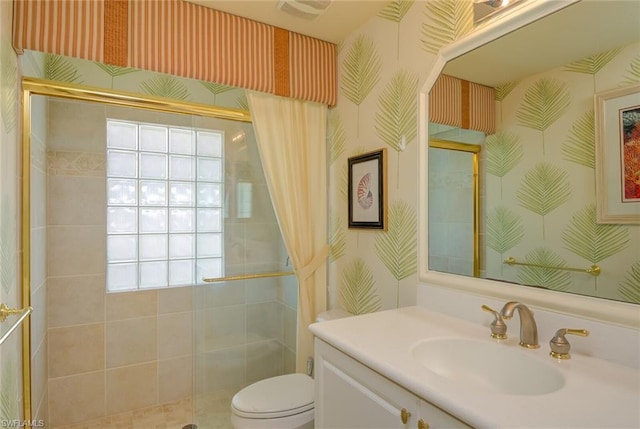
x: 416, y: 368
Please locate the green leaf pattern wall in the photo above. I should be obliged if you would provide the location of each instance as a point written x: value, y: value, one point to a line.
x: 539, y: 168
x: 380, y: 69
x: 549, y: 194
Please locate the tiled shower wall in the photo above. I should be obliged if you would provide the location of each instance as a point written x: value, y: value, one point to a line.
x: 111, y: 353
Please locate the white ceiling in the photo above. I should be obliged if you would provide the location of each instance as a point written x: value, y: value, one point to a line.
x: 341, y: 18
x: 573, y: 33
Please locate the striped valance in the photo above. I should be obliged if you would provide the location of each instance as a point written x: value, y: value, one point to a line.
x: 462, y: 104
x: 182, y: 39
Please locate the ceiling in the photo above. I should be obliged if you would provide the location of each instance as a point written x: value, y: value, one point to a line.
x: 341, y: 18
x: 573, y: 33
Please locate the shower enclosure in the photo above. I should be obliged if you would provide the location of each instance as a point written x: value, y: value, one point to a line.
x: 132, y: 205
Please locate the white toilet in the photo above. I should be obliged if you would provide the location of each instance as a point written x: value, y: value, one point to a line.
x: 282, y: 402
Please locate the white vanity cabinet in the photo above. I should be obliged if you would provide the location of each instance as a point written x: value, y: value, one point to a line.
x: 349, y: 395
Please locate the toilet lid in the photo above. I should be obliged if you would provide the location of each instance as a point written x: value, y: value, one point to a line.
x: 280, y: 396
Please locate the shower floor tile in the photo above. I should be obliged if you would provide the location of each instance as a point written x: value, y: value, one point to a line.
x: 173, y: 415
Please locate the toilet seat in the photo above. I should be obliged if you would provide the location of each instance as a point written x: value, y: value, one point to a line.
x: 275, y: 397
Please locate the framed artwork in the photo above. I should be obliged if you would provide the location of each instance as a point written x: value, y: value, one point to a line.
x: 617, y: 115
x: 367, y: 190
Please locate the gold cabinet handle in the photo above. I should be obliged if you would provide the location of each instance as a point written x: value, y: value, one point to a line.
x: 404, y: 416
x: 422, y: 424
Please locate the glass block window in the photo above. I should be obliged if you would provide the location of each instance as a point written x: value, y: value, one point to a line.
x: 164, y: 205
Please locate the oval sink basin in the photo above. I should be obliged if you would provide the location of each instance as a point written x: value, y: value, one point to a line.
x: 488, y: 366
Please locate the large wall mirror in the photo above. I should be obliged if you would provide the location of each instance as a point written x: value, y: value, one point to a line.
x: 538, y: 201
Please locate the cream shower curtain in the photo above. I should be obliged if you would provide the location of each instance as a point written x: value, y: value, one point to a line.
x: 291, y: 137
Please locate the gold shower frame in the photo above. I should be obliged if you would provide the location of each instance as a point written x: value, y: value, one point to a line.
x: 474, y: 150
x: 33, y: 86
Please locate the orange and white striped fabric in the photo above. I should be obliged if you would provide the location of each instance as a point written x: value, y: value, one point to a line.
x: 462, y: 104
x: 71, y: 28
x: 183, y: 39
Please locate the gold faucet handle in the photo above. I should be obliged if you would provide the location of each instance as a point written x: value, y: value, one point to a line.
x: 560, y: 346
x: 498, y: 327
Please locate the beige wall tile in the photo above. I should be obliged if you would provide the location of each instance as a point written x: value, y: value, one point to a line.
x: 132, y: 387
x: 75, y: 200
x: 76, y: 300
x: 76, y: 250
x: 175, y: 300
x: 264, y: 321
x: 76, y: 126
x: 264, y: 360
x: 220, y: 370
x: 262, y: 290
x: 38, y: 257
x: 41, y: 409
x: 132, y: 341
x: 175, y: 335
x: 76, y: 349
x: 175, y: 379
x: 76, y: 399
x: 127, y: 305
x: 39, y: 376
x: 220, y: 294
x: 38, y: 196
x: 290, y: 320
x: 220, y: 327
x: 38, y: 316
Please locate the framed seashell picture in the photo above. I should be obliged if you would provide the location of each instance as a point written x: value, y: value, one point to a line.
x: 367, y: 190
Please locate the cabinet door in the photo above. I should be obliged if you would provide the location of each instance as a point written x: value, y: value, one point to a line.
x: 351, y: 396
x: 437, y: 418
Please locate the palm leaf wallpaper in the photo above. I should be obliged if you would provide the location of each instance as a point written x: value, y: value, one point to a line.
x: 360, y: 70
x: 543, y: 103
x: 394, y: 12
x: 8, y: 88
x: 503, y: 90
x: 396, y: 117
x: 336, y: 135
x: 165, y: 86
x: 397, y: 247
x: 503, y: 151
x: 115, y: 71
x: 357, y: 291
x: 543, y: 189
x: 580, y: 146
x: 59, y: 68
x: 7, y: 248
x: 242, y: 102
x: 629, y: 288
x: 216, y: 88
x: 594, y: 63
x: 594, y: 241
x: 337, y: 238
x: 448, y: 21
x: 10, y: 394
x: 545, y: 275
x: 504, y: 229
x: 633, y: 72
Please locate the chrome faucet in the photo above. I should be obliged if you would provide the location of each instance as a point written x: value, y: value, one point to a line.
x: 528, y: 328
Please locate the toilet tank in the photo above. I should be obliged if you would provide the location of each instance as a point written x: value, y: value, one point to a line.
x: 336, y: 313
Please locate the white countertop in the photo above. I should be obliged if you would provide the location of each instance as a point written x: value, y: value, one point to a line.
x: 597, y: 393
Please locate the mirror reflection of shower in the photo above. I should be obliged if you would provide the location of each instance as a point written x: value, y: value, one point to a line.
x: 454, y: 200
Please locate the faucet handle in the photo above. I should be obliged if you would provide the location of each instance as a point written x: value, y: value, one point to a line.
x: 560, y: 346
x: 498, y: 327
